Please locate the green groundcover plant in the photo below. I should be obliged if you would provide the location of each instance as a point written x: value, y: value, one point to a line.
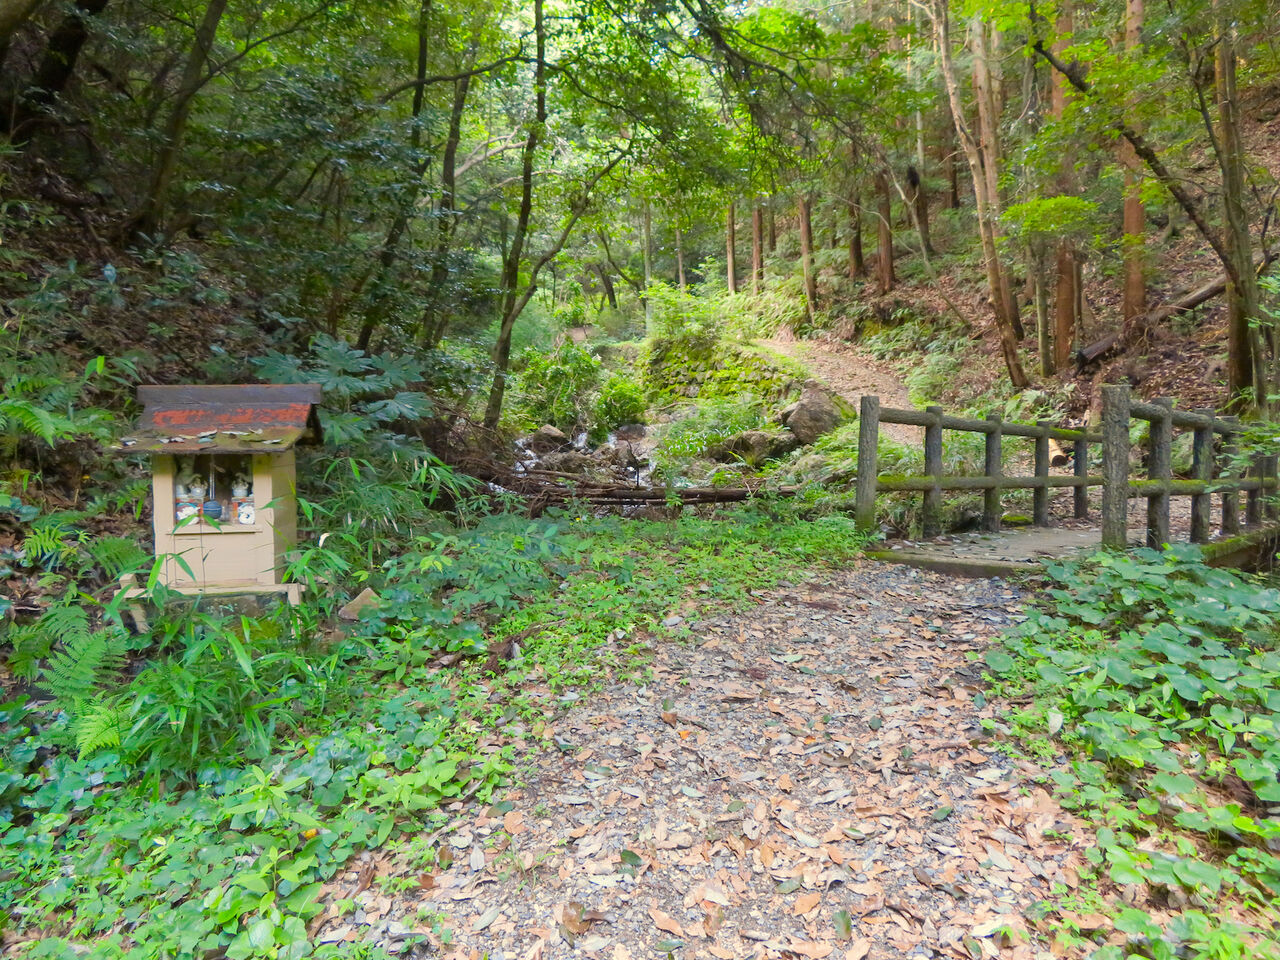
x: 1161, y: 677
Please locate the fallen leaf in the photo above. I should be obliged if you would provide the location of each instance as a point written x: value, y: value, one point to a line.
x: 860, y: 949
x: 806, y: 903
x: 486, y: 918
x: 665, y: 922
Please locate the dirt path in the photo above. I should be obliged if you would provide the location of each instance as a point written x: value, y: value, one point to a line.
x: 812, y: 779
x: 851, y: 373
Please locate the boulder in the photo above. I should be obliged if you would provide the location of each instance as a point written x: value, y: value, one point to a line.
x: 753, y: 447
x: 818, y: 411
x: 547, y: 438
x: 365, y: 599
x: 630, y: 431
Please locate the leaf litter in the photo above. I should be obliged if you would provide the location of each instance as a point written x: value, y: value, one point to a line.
x: 809, y: 779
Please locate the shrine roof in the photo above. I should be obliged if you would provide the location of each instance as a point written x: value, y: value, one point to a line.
x: 233, y: 418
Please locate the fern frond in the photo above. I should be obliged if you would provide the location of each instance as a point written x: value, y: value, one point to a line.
x: 115, y: 555
x: 31, y: 644
x: 99, y: 724
x: 75, y: 673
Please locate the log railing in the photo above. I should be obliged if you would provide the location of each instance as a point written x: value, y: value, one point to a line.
x: 1118, y: 409
x: 992, y: 482
x: 1210, y: 477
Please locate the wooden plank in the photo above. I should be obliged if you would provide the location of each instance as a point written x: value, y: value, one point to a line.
x: 1115, y: 466
x: 868, y: 463
x: 993, y: 469
x: 1202, y: 470
x: 1040, y: 498
x: 889, y: 484
x: 1159, y: 470
x: 931, y: 523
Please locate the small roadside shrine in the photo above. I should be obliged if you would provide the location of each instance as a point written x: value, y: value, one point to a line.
x: 223, y: 482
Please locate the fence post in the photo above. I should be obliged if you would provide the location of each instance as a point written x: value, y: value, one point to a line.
x: 1202, y: 470
x: 1080, y: 495
x: 1159, y: 467
x: 994, y: 469
x: 1040, y: 496
x: 1270, y: 508
x: 931, y: 523
x: 1253, y: 499
x: 868, y: 463
x: 1231, y: 496
x: 1115, y: 466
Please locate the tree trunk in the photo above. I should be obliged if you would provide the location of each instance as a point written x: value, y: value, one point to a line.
x: 149, y: 217
x: 58, y: 63
x: 988, y: 95
x: 680, y: 261
x: 434, y: 323
x: 806, y: 259
x: 996, y: 284
x: 857, y: 266
x: 772, y: 224
x: 731, y: 248
x: 884, y: 234
x: 1039, y: 270
x: 376, y: 305
x: 511, y: 268
x: 757, y: 247
x: 1067, y: 291
x: 920, y: 200
x: 607, y: 283
x: 647, y: 238
x: 953, y: 171
x: 1245, y: 367
x: 1135, y: 282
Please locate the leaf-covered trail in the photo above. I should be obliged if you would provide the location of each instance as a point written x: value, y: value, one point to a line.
x: 809, y: 779
x: 851, y: 373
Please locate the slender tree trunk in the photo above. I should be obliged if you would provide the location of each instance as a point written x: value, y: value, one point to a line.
x: 1135, y: 282
x: 757, y: 248
x: 806, y: 259
x: 920, y: 200
x: 772, y: 223
x: 150, y: 215
x: 731, y: 248
x: 1067, y: 295
x: 433, y: 324
x: 647, y: 237
x: 606, y: 282
x: 986, y: 229
x: 1039, y: 271
x: 58, y: 63
x: 1245, y: 364
x: 680, y: 261
x: 511, y: 268
x: 377, y: 303
x: 884, y: 234
x: 857, y: 266
x: 988, y: 95
x: 953, y: 176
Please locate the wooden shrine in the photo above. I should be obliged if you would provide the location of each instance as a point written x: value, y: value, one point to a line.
x: 223, y: 482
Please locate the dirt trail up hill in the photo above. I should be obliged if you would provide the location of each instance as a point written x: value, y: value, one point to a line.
x: 851, y: 373
x: 810, y: 779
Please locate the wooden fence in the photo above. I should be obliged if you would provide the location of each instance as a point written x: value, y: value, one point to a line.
x: 1211, y: 469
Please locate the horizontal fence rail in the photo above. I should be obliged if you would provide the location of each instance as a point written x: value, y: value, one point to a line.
x: 1118, y: 410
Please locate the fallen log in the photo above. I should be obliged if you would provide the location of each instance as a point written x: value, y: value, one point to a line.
x: 1136, y: 327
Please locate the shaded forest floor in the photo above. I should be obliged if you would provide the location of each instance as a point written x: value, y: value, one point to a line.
x: 811, y: 779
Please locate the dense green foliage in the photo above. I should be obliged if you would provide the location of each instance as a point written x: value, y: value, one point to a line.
x: 1161, y: 676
